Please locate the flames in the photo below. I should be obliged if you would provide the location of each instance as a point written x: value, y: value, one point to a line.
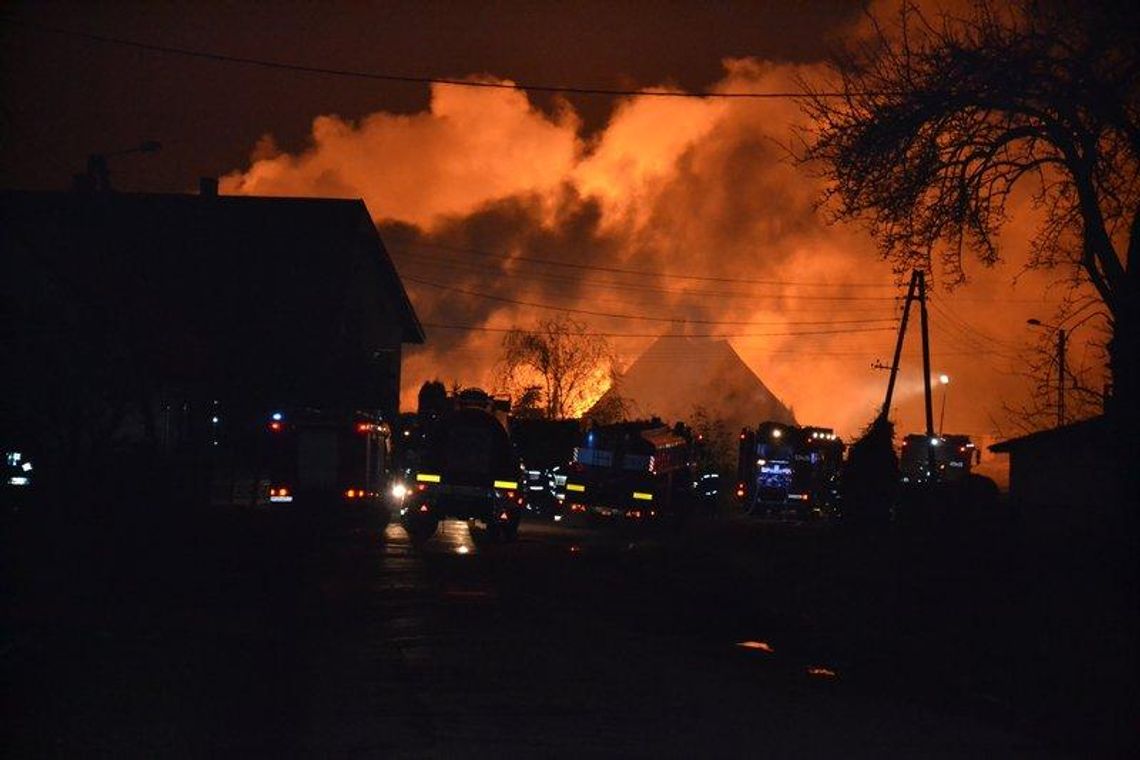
x: 489, y: 194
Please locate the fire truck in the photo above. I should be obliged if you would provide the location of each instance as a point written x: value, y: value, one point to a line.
x: 630, y: 472
x: 463, y: 468
x: 784, y: 468
x: 937, y: 459
x: 302, y: 456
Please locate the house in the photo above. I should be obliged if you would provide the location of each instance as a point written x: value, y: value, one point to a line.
x: 124, y: 306
x: 1075, y: 466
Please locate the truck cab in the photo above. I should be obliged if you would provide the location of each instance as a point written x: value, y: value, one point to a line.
x: 632, y: 473
x: 937, y: 459
x: 788, y: 468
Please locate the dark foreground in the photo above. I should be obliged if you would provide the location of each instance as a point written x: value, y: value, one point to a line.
x: 289, y: 634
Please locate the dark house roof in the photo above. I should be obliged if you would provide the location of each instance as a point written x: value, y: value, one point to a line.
x: 208, y: 285
x: 1075, y: 431
x: 1084, y: 465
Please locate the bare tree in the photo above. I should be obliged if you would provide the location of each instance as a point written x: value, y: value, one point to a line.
x: 941, y: 118
x: 718, y: 450
x: 569, y: 364
x: 1083, y: 363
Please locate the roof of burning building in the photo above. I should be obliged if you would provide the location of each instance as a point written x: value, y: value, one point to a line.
x: 678, y: 373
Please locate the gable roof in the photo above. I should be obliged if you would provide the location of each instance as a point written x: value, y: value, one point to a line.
x: 287, y: 296
x: 293, y: 253
x: 679, y: 372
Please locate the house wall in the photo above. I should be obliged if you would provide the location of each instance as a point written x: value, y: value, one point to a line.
x: 379, y: 332
x: 1065, y: 470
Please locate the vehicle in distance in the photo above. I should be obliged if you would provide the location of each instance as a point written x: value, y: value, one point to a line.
x: 788, y: 469
x: 464, y: 469
x: 300, y: 457
x: 633, y: 472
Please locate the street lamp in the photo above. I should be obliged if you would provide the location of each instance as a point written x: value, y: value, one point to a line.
x: 944, y: 379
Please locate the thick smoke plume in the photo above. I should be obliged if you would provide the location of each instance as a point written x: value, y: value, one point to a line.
x: 477, y: 195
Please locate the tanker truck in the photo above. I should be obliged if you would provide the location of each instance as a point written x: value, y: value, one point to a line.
x: 463, y: 468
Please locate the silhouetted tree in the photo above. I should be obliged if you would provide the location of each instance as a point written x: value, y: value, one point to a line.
x: 432, y: 400
x: 871, y: 474
x: 568, y: 363
x: 528, y: 406
x: 1085, y: 362
x: 941, y: 118
x: 717, y: 452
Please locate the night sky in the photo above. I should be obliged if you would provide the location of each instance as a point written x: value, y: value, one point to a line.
x: 66, y: 97
x: 472, y: 188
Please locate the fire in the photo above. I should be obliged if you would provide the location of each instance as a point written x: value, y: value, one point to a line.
x: 516, y: 207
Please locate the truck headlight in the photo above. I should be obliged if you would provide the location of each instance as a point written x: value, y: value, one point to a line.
x: 399, y: 490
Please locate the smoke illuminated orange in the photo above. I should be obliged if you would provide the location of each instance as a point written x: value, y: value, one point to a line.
x: 668, y: 188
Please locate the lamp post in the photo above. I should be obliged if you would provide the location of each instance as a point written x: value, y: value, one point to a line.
x: 944, y: 379
x: 1060, y: 366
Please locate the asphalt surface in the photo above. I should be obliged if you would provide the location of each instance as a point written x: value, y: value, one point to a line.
x: 334, y: 638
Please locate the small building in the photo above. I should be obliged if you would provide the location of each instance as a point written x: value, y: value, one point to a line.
x: 1074, y: 466
x: 137, y: 310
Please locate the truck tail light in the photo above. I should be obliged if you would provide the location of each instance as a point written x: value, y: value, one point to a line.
x: 280, y: 494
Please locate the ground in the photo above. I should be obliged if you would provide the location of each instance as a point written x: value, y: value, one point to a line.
x: 294, y: 634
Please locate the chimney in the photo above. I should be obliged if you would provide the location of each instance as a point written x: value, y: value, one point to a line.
x: 208, y: 187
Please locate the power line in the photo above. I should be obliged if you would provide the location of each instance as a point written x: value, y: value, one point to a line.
x: 671, y: 276
x: 616, y: 315
x: 408, y: 79
x: 645, y: 272
x: 947, y: 313
x: 566, y: 279
x: 481, y: 328
x: 751, y: 295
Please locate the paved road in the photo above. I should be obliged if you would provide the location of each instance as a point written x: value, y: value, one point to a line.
x: 338, y: 640
x: 574, y: 642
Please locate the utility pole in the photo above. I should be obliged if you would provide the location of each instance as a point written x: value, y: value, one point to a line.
x: 925, y: 352
x: 916, y: 291
x: 1061, y: 338
x: 931, y: 441
x: 898, y: 345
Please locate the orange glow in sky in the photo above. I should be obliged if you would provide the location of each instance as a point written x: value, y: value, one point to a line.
x: 486, y: 193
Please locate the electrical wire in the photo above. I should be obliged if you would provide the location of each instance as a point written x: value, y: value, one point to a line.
x: 947, y: 313
x: 593, y: 284
x: 618, y: 315
x: 208, y: 55
x: 645, y: 272
x: 481, y: 328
